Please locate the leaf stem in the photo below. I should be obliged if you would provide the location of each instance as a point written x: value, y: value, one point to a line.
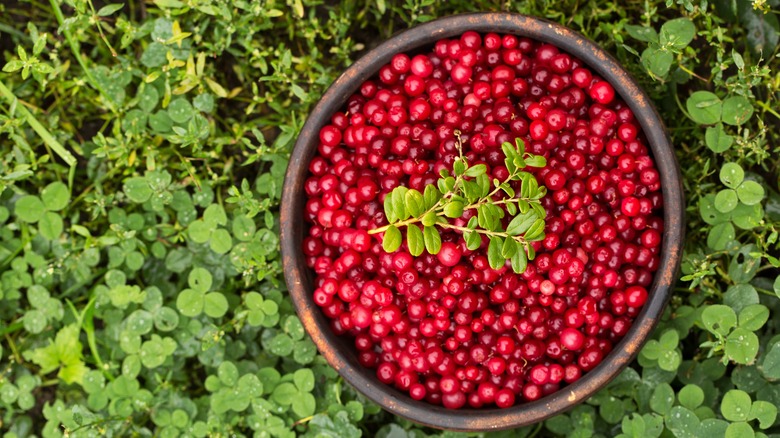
x: 502, y: 234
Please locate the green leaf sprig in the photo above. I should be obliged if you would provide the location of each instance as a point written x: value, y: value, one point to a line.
x: 469, y: 187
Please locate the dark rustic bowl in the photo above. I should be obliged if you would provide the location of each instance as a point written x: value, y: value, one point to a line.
x: 340, y: 352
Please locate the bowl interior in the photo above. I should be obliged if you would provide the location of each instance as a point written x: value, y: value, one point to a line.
x: 340, y: 352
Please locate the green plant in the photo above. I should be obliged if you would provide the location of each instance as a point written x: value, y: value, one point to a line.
x: 142, y: 153
x: 470, y: 188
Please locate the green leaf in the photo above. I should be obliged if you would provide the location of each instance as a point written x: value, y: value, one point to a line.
x: 494, y: 252
x: 735, y: 405
x: 519, y: 261
x: 658, y: 62
x: 190, y: 303
x: 737, y: 110
x: 720, y: 235
x: 431, y: 196
x: 220, y: 241
x: 200, y: 280
x: 742, y: 346
x: 739, y: 430
x: 389, y: 210
x: 399, y: 202
x: 709, y: 213
x: 50, y: 225
x: 29, y: 208
x: 107, y: 10
x: 414, y: 240
x: 285, y: 393
x: 429, y: 219
x: 750, y: 192
x: 414, y: 203
x: 691, y: 396
x: 704, y: 107
x: 509, y: 249
x: 732, y: 175
x: 535, y: 161
x: 392, y: 239
x: 521, y: 223
x: 432, y: 240
x: 662, y: 399
x: 244, y: 228
x: 228, y: 373
x: 215, y: 215
x: 215, y: 304
x: 747, y: 217
x: 473, y: 240
x: 180, y: 110
x: 642, y: 33
x: 458, y: 167
x: 304, y: 379
x: 740, y: 295
x: 55, y: 196
x: 682, y: 423
x: 717, y: 139
x: 453, y: 209
x: 764, y: 412
x: 476, y: 170
x: 304, y: 405
x: 719, y: 319
x: 726, y: 200
x: 677, y: 33
x: 137, y: 189
x: 753, y: 317
x: 536, y: 231
x: 770, y: 367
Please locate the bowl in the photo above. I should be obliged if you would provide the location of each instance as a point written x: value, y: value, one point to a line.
x: 340, y: 352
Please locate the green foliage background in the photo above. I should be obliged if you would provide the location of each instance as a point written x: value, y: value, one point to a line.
x: 142, y: 150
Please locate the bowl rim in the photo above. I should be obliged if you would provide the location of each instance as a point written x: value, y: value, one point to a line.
x: 292, y: 226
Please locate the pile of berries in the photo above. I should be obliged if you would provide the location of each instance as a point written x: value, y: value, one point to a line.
x: 447, y: 328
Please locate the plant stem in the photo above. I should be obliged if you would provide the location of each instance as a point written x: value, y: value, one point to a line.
x: 503, y: 234
x: 76, y: 49
x: 39, y: 129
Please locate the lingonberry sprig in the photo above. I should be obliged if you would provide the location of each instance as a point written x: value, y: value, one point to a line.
x: 469, y: 187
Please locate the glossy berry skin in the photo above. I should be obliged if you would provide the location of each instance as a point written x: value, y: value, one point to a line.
x: 446, y: 328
